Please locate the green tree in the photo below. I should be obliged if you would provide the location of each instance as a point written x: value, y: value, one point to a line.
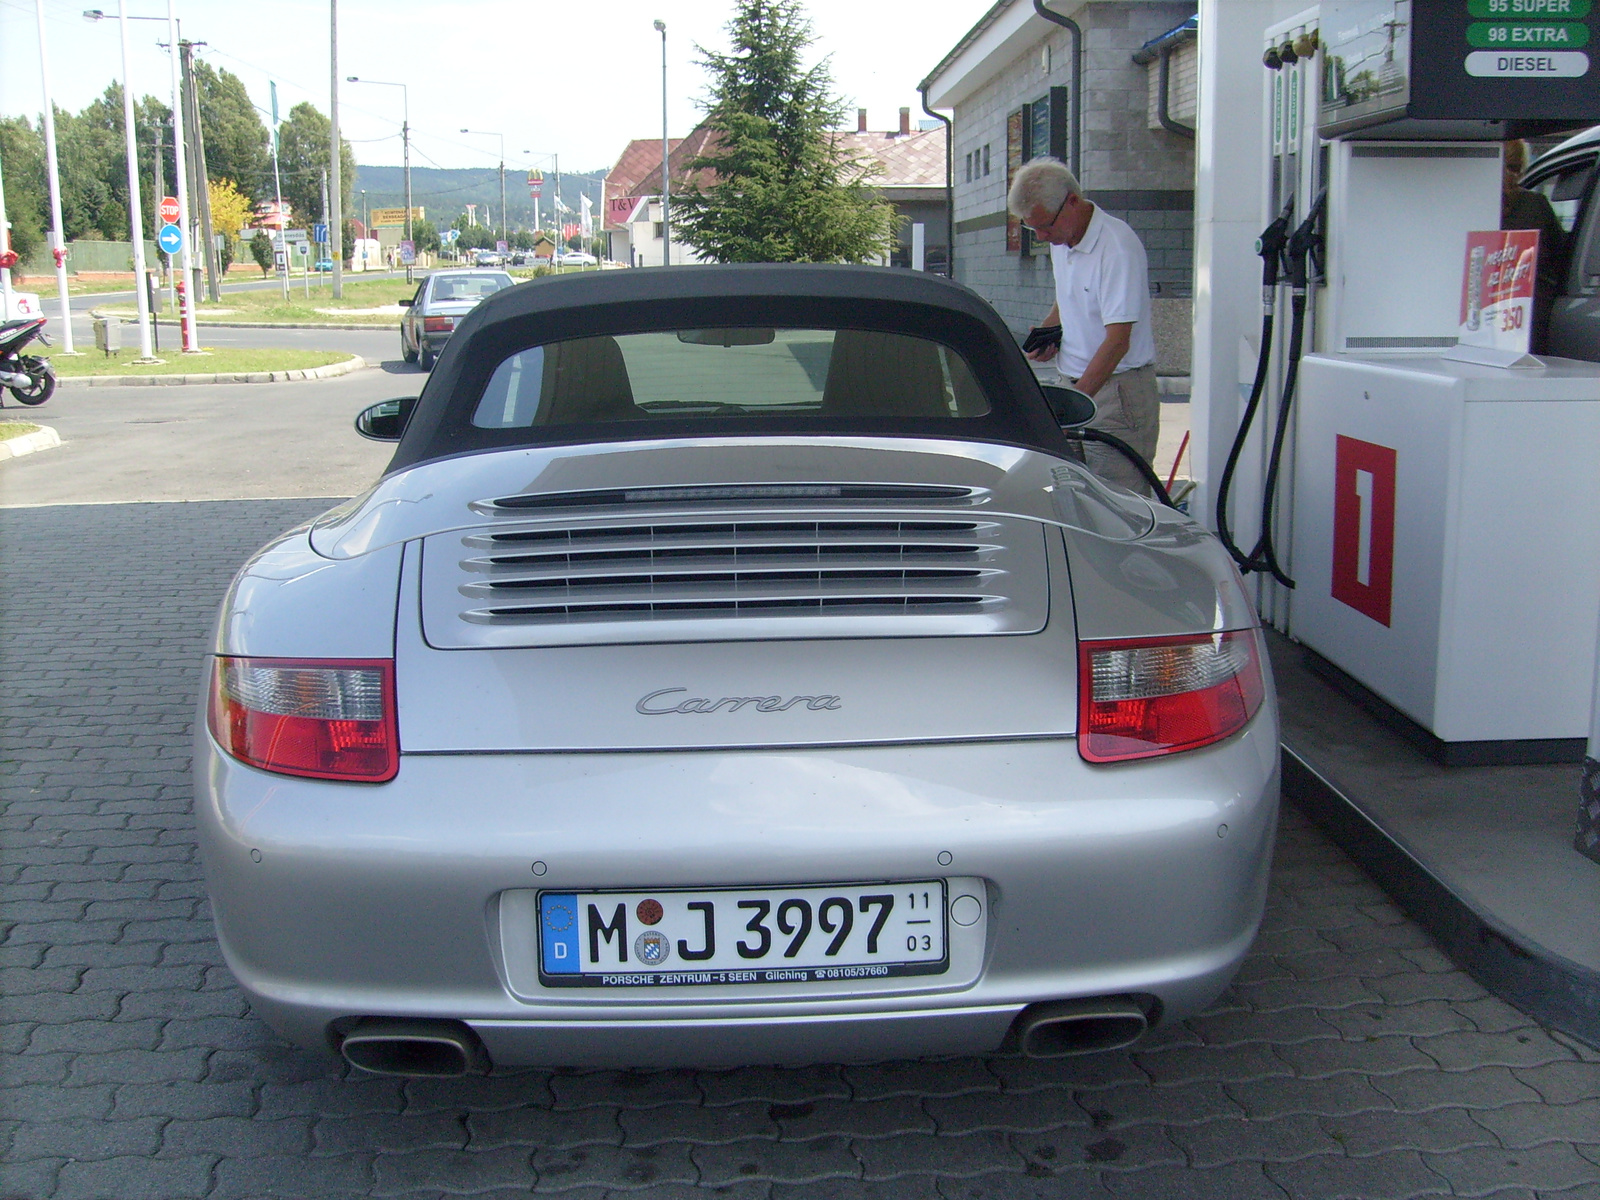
x: 782, y: 188
x: 27, y: 194
x: 426, y: 235
x: 238, y: 146
x: 303, y: 155
x: 261, y: 250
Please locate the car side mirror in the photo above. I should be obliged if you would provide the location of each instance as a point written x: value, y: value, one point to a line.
x: 405, y: 302
x: 1070, y: 407
x: 386, y: 420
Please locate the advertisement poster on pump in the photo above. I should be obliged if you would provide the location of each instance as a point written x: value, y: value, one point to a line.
x: 1497, y: 279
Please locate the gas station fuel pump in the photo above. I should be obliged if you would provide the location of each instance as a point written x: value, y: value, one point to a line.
x: 1428, y: 526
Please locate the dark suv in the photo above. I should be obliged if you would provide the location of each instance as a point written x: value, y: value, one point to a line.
x: 1566, y: 176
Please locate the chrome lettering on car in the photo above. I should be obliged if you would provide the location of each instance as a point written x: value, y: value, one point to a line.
x: 703, y: 704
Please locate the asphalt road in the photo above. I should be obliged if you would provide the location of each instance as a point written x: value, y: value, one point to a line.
x: 211, y: 442
x: 373, y: 344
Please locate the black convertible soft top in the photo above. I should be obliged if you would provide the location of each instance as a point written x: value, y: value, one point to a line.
x: 783, y: 295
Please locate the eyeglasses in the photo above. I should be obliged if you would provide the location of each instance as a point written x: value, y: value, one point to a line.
x: 1056, y: 216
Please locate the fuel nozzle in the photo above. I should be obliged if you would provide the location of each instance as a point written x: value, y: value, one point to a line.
x: 1305, y: 246
x: 1270, y: 246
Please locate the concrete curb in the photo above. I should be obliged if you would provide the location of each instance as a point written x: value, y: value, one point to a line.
x: 174, y: 323
x: 43, y: 438
x: 354, y: 363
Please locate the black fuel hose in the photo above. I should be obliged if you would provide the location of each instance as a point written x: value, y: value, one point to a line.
x: 1129, y: 453
x: 1264, y: 557
x: 1225, y: 485
x: 1304, y: 248
x: 1270, y: 246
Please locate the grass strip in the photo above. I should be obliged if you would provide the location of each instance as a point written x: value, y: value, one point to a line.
x: 226, y: 360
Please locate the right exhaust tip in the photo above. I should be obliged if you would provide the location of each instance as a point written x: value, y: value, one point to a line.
x: 1060, y: 1028
x: 413, y: 1048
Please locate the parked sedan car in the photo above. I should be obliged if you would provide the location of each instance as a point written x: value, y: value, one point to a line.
x: 442, y: 300
x: 734, y: 665
x: 577, y: 258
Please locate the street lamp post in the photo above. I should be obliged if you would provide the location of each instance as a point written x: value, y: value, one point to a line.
x: 505, y: 225
x: 135, y: 213
x: 666, y: 182
x: 190, y: 333
x: 58, y: 243
x: 405, y: 144
x: 335, y: 216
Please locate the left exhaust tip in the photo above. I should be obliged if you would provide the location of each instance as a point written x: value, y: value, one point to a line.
x: 415, y: 1047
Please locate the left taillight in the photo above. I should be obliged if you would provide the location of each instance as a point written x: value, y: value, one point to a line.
x: 319, y: 718
x: 1142, y: 697
x: 438, y: 324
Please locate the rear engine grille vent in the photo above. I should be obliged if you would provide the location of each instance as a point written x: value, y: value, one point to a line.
x: 852, y: 576
x: 782, y: 493
x: 756, y: 567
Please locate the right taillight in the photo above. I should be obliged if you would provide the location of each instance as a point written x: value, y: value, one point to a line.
x: 321, y: 718
x: 1140, y: 697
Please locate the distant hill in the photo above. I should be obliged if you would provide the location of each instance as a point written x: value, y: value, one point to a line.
x: 446, y: 193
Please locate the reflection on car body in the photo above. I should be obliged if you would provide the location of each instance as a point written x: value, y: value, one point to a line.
x: 733, y: 667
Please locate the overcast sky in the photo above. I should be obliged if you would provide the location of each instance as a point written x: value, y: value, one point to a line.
x: 551, y: 86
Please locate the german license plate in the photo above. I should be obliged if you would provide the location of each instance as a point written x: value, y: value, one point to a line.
x: 733, y: 936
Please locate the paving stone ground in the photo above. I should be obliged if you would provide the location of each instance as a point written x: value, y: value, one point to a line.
x: 1350, y: 1059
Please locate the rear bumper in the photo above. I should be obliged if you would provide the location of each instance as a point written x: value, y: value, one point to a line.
x: 388, y: 900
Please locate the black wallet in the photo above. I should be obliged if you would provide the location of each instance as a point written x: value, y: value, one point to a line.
x: 1042, y: 337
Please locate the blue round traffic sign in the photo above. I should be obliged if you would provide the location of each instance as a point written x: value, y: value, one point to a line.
x: 170, y: 239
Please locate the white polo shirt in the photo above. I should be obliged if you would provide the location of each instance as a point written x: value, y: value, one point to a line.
x: 1103, y: 280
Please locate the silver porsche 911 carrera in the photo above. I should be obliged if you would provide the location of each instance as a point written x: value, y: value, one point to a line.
x: 734, y: 665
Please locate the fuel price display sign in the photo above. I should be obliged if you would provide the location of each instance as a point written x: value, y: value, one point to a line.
x: 1528, y: 62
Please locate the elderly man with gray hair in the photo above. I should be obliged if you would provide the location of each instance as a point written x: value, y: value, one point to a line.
x: 1102, y: 307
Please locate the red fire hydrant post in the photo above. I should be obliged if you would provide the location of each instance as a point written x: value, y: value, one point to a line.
x: 185, y: 321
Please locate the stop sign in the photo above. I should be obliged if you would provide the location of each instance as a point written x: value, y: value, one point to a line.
x: 169, y: 209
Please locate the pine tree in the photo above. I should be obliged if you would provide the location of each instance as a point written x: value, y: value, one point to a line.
x: 782, y: 189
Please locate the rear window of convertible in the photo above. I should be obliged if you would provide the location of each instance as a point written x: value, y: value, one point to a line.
x: 730, y: 373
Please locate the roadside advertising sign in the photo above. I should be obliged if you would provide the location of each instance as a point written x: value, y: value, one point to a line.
x: 1497, y: 290
x: 384, y: 217
x: 280, y: 260
x: 169, y: 210
x: 535, y: 184
x: 620, y: 209
x: 501, y: 247
x: 408, y: 253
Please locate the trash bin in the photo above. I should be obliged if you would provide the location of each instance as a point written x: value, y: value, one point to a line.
x: 108, y: 334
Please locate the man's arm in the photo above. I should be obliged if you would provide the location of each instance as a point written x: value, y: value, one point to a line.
x: 1046, y: 353
x: 1105, y: 360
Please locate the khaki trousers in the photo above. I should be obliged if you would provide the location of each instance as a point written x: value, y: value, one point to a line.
x: 1128, y: 407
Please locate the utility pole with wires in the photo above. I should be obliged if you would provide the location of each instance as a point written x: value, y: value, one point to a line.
x: 202, y: 179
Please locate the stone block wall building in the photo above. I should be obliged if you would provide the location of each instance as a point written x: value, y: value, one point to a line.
x: 1010, y: 84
